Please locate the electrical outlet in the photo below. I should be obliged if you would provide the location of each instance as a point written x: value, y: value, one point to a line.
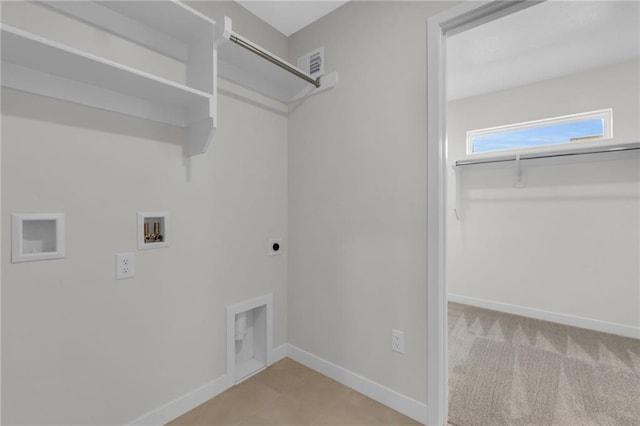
x: 125, y: 266
x: 397, y: 341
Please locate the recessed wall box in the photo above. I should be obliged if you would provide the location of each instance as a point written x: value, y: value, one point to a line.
x: 153, y: 230
x: 38, y: 236
x: 249, y: 338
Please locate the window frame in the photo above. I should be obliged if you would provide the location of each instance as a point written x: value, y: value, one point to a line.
x: 607, y: 129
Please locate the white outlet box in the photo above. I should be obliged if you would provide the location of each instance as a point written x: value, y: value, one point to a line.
x: 38, y: 236
x: 397, y: 341
x: 125, y: 265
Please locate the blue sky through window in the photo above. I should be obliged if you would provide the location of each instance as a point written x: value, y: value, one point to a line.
x: 538, y: 136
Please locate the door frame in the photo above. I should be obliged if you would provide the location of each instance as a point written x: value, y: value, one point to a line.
x: 449, y: 22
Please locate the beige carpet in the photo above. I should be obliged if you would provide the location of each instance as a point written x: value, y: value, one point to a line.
x: 511, y: 370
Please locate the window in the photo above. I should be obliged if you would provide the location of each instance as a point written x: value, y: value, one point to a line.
x: 589, y: 126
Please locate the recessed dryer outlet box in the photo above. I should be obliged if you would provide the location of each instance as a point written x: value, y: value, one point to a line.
x: 153, y: 230
x: 249, y: 338
x: 37, y: 236
x: 275, y: 246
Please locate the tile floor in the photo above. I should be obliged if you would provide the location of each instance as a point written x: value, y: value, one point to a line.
x: 288, y: 393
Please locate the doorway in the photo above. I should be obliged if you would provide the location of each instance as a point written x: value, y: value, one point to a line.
x: 449, y: 189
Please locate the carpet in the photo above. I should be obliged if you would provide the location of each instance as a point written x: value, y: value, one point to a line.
x: 511, y: 370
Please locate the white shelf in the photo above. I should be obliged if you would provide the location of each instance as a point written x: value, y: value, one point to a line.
x: 171, y: 17
x: 249, y: 70
x: 548, y: 151
x: 39, y: 65
x: 40, y: 54
x: 168, y: 26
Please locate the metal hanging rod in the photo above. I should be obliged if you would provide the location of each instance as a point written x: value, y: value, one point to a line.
x: 617, y: 148
x: 275, y: 61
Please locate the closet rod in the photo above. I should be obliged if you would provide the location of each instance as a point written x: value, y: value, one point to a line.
x: 275, y: 61
x: 548, y: 155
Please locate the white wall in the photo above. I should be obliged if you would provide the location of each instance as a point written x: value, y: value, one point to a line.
x: 357, y: 194
x: 80, y: 347
x: 569, y: 242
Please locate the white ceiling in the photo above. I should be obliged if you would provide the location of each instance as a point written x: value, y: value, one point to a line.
x: 548, y: 40
x: 290, y: 16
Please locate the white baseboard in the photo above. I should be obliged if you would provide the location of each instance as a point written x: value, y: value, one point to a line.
x: 191, y: 400
x: 279, y: 353
x: 401, y: 403
x: 183, y: 404
x: 575, y: 321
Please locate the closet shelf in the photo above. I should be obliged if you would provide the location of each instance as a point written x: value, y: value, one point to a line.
x: 39, y: 54
x: 45, y: 67
x: 584, y: 148
x: 253, y: 66
x: 168, y: 27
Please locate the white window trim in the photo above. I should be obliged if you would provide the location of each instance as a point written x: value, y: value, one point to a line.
x: 605, y: 114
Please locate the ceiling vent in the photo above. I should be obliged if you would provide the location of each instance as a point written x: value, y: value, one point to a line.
x: 312, y: 63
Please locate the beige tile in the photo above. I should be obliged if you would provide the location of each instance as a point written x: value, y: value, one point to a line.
x: 379, y: 411
x: 232, y: 406
x: 288, y: 393
x: 284, y: 411
x: 318, y: 390
x: 190, y: 418
x: 283, y: 377
x: 344, y: 414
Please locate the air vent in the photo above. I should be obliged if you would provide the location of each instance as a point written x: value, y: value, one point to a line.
x: 313, y: 62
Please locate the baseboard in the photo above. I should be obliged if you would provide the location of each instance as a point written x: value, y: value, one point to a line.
x: 279, y: 353
x: 401, y: 403
x: 183, y: 404
x: 575, y: 321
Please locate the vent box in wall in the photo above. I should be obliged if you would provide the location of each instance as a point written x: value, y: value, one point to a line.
x: 249, y: 338
x: 38, y: 236
x: 313, y: 63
